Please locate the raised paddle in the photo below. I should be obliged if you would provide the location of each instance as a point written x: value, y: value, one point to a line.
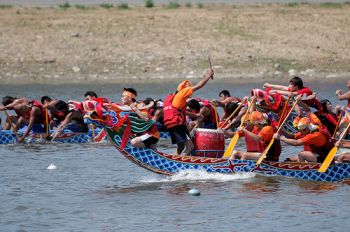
x: 263, y: 155
x: 234, y: 140
x: 332, y: 152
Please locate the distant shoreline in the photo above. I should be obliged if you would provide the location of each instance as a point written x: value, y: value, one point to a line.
x: 71, y: 44
x: 142, y: 2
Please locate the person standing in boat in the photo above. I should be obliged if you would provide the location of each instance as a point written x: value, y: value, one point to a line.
x: 175, y: 113
x: 258, y: 134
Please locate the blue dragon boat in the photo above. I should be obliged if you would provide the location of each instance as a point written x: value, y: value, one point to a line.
x: 118, y: 127
x: 9, y: 137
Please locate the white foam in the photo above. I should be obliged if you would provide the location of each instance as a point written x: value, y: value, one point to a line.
x: 51, y: 167
x: 198, y: 175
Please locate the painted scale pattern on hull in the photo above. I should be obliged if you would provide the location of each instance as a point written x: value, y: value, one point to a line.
x: 170, y: 164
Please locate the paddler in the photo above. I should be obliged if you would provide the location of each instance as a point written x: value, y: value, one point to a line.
x: 30, y: 115
x: 344, y: 96
x: 296, y: 87
x: 258, y: 134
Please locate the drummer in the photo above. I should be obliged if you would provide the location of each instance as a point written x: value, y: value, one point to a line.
x: 175, y: 113
x: 257, y: 134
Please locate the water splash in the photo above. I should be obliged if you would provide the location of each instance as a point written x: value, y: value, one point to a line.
x: 198, y: 175
x: 51, y: 167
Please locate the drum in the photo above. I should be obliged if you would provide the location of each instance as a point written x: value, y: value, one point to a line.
x: 209, y: 143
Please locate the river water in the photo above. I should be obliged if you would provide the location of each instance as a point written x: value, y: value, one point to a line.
x: 94, y: 188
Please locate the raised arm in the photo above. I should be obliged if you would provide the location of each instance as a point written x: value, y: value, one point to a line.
x: 276, y: 87
x: 205, y: 79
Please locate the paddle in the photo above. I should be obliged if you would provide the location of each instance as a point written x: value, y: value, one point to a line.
x: 234, y: 140
x: 234, y: 112
x: 337, y: 126
x: 332, y: 152
x: 216, y: 115
x: 280, y: 125
x: 47, y: 123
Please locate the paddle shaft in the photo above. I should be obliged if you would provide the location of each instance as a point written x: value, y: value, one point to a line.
x: 284, y: 110
x: 234, y: 140
x: 336, y: 128
x: 216, y: 115
x: 331, y: 154
x: 234, y: 112
x: 47, y: 122
x: 286, y: 118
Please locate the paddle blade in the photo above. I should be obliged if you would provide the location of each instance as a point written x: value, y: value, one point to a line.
x: 263, y: 155
x: 231, y: 146
x: 328, y: 159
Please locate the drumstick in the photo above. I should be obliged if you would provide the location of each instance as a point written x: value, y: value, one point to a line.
x: 210, y: 65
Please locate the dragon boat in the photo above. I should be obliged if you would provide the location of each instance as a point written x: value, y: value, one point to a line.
x: 120, y: 125
x: 9, y: 137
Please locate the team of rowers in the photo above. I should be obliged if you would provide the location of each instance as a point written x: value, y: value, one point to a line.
x: 180, y: 114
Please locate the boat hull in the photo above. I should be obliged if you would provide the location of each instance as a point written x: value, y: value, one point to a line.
x: 168, y: 164
x: 9, y: 137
